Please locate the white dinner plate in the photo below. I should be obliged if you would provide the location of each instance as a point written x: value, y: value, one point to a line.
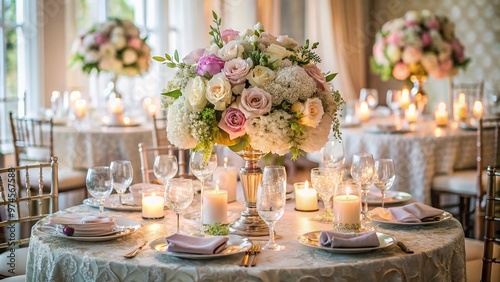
x: 111, y: 203
x: 194, y: 217
x: 445, y: 216
x: 311, y: 239
x: 386, y: 129
x: 124, y: 226
x: 391, y: 197
x: 235, y: 245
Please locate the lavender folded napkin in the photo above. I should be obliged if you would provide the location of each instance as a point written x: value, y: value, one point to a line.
x: 414, y: 213
x: 334, y: 239
x: 196, y: 245
x: 85, y: 224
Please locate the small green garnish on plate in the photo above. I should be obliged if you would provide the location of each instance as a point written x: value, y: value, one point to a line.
x: 217, y: 229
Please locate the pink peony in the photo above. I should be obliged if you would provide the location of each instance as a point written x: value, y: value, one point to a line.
x: 209, y: 65
x: 401, y: 71
x: 426, y: 39
x: 229, y: 34
x: 318, y: 77
x: 233, y: 122
x: 135, y: 42
x: 193, y: 57
x: 101, y: 38
x: 411, y: 55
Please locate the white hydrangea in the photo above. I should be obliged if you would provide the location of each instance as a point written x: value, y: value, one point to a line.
x: 179, y: 121
x: 315, y: 138
x: 270, y: 133
x: 291, y: 84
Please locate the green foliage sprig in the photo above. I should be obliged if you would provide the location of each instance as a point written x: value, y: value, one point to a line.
x: 306, y: 55
x: 215, y: 31
x: 169, y: 61
x: 217, y: 229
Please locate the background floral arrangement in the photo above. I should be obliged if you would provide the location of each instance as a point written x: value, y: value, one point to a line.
x: 114, y: 46
x: 419, y: 43
x: 253, y: 89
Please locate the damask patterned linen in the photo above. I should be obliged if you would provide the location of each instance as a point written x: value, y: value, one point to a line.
x: 439, y: 255
x: 81, y: 149
x: 418, y: 155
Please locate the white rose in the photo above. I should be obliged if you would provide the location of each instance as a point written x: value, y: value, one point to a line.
x: 393, y: 53
x: 258, y: 26
x: 412, y: 16
x: 129, y: 56
x: 89, y: 40
x: 107, y: 50
x: 286, y: 42
x: 195, y: 93
x: 233, y: 49
x: 91, y: 56
x: 313, y: 112
x: 260, y: 75
x: 219, y: 91
x: 247, y: 32
x: 212, y: 49
x: 118, y: 38
x: 276, y: 52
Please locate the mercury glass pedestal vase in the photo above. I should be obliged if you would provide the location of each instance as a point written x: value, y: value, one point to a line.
x: 418, y: 93
x: 250, y: 223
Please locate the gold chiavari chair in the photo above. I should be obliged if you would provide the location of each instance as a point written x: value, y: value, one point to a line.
x: 492, y: 228
x: 148, y: 153
x: 20, y: 208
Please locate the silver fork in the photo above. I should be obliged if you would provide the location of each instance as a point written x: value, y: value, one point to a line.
x: 136, y: 251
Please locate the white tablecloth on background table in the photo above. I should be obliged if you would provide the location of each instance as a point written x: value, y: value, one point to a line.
x: 418, y: 155
x: 439, y: 255
x: 100, y: 145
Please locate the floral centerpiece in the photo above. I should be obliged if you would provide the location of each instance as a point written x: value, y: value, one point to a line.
x: 250, y: 89
x: 420, y: 44
x: 114, y: 46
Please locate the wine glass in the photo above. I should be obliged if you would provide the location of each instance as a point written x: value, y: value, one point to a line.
x: 324, y: 180
x: 369, y: 95
x: 271, y: 200
x: 165, y: 167
x: 202, y: 167
x: 385, y: 174
x: 122, y: 175
x: 333, y: 154
x: 393, y: 100
x: 179, y: 195
x: 363, y: 171
x: 99, y: 183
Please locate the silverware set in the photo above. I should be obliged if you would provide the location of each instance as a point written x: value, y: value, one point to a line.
x: 250, y: 257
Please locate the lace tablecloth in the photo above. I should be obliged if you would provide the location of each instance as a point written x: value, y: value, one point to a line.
x: 81, y: 149
x: 418, y: 155
x: 439, y: 255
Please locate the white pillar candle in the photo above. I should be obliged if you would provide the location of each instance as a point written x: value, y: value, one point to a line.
x: 411, y: 113
x: 214, y: 206
x: 227, y: 177
x: 477, y: 109
x: 364, y: 111
x: 462, y: 107
x: 306, y: 199
x: 441, y: 115
x: 152, y: 205
x: 80, y: 108
x: 347, y: 210
x: 404, y: 101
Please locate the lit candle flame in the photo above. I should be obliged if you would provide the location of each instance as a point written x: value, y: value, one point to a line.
x: 477, y: 109
x: 225, y: 162
x: 126, y: 120
x: 105, y: 119
x: 217, y: 186
x: 306, y: 185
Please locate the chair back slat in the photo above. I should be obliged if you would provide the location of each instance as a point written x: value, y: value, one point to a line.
x: 17, y: 210
x: 492, y: 216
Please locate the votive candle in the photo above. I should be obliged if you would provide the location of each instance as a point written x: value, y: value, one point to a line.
x: 441, y: 115
x: 404, y: 101
x: 306, y: 199
x: 411, y: 113
x: 80, y: 108
x: 477, y: 109
x: 364, y: 111
x: 152, y: 205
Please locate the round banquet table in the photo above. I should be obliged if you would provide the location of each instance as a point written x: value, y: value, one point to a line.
x: 439, y: 255
x: 81, y: 148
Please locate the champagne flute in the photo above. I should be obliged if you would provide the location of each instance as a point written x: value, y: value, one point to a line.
x: 324, y: 180
x: 202, y: 167
x: 179, y: 195
x: 99, y: 183
x: 363, y: 171
x: 385, y: 174
x: 122, y: 175
x: 271, y: 200
x: 165, y: 167
x: 333, y: 154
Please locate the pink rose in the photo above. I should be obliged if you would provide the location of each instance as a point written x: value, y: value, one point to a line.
x: 318, y: 77
x: 426, y: 39
x: 233, y: 122
x: 255, y: 102
x: 101, y: 38
x: 401, y: 71
x: 229, y: 34
x: 237, y: 69
x: 378, y: 53
x: 458, y: 50
x: 411, y: 55
x: 209, y: 65
x: 193, y: 57
x: 267, y: 39
x: 432, y: 23
x: 394, y: 38
x: 135, y: 42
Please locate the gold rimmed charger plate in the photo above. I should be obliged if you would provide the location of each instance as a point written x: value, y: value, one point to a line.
x: 311, y: 239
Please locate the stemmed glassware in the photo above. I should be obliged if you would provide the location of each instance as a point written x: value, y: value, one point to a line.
x: 363, y: 172
x: 385, y: 174
x: 202, y: 168
x: 333, y: 154
x: 99, y: 183
x: 324, y: 180
x: 393, y: 100
x: 179, y: 195
x: 370, y: 95
x: 122, y: 175
x: 165, y: 167
x: 271, y: 200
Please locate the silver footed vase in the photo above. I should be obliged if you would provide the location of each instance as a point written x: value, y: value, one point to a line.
x: 250, y: 223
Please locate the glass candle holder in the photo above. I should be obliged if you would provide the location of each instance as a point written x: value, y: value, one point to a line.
x: 347, y: 207
x: 306, y: 197
x: 152, y: 203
